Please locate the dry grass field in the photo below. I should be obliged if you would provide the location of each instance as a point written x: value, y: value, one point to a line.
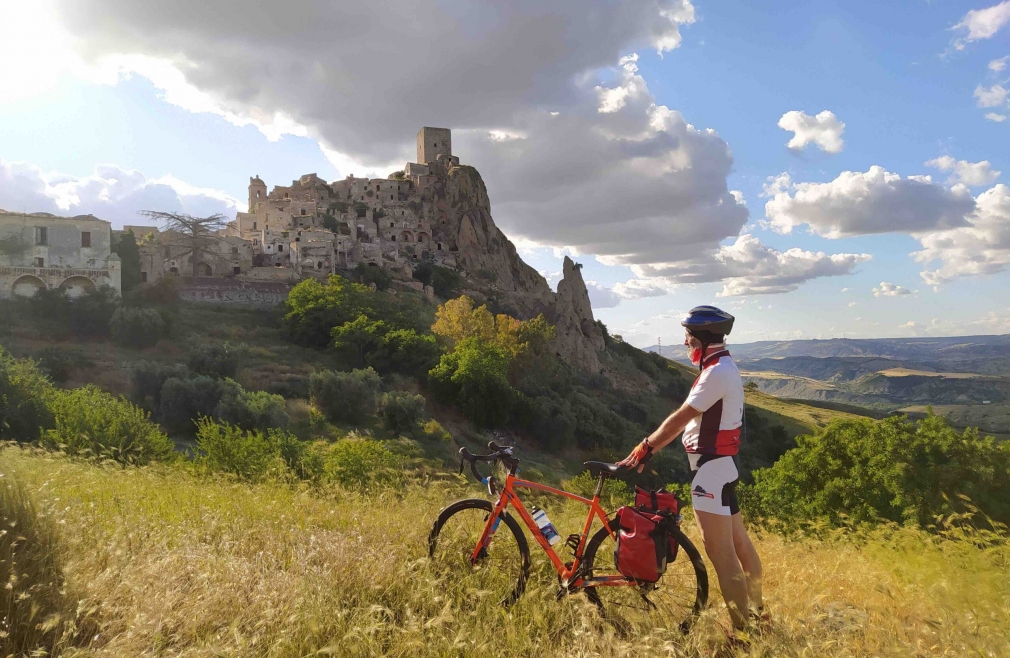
x: 159, y: 562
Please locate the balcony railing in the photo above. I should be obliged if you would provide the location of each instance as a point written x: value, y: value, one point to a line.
x: 42, y: 272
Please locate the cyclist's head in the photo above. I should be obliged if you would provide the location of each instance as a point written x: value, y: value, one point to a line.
x: 704, y: 326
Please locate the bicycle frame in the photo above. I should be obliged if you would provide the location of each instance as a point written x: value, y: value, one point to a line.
x: 508, y: 497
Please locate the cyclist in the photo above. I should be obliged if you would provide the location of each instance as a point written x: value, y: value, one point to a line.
x: 711, y: 419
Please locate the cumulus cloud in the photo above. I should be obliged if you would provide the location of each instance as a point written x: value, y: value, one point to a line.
x: 998, y: 65
x: 748, y: 267
x: 991, y: 97
x: 824, y: 130
x: 603, y: 296
x: 993, y: 116
x: 890, y: 290
x: 858, y: 203
x: 981, y: 247
x: 980, y: 24
x: 635, y: 185
x: 110, y: 193
x: 964, y: 172
x: 363, y: 75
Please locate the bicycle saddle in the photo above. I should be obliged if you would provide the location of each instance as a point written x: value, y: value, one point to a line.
x: 598, y: 468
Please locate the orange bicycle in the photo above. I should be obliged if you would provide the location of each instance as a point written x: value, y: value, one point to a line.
x: 466, y: 540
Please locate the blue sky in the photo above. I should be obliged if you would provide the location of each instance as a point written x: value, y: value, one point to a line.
x: 911, y: 82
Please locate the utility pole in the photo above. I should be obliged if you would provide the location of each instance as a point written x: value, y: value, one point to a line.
x: 659, y: 345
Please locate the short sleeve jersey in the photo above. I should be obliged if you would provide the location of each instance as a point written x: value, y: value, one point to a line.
x: 718, y: 395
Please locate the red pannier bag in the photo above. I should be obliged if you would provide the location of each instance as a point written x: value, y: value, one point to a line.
x: 643, y: 544
x: 656, y: 501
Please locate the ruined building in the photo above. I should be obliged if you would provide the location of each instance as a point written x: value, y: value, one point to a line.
x: 42, y: 251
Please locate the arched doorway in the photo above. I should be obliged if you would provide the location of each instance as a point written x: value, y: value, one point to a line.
x: 77, y: 286
x: 27, y: 286
x: 205, y: 269
x: 422, y: 238
x: 407, y: 237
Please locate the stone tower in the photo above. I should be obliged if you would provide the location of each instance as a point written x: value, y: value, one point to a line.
x: 433, y: 142
x: 257, y: 192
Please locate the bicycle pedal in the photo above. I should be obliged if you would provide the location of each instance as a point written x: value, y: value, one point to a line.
x: 572, y: 541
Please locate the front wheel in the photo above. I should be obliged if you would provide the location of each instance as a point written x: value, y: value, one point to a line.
x: 502, y: 566
x: 678, y: 598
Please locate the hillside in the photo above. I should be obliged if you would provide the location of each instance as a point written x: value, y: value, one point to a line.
x: 159, y: 562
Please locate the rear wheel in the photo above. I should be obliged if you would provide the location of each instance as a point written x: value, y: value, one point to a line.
x: 502, y: 567
x: 677, y: 599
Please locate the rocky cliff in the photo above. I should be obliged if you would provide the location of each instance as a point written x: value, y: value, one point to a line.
x: 463, y: 221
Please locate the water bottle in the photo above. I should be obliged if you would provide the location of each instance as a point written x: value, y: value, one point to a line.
x: 546, y: 527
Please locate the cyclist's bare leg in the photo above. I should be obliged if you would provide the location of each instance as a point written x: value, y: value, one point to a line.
x: 717, y: 534
x: 749, y: 560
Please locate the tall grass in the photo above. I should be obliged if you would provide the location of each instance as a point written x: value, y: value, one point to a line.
x: 183, y: 565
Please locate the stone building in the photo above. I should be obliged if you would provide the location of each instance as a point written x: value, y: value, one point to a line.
x: 163, y: 252
x: 40, y: 250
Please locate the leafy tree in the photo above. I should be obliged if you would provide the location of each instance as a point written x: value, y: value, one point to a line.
x: 90, y: 314
x: 345, y: 396
x: 185, y: 400
x: 445, y: 281
x: 196, y: 237
x: 214, y: 361
x: 358, y: 337
x: 124, y: 244
x: 313, y: 308
x: 250, y: 409
x: 893, y: 469
x: 474, y: 376
x: 136, y: 327
x: 24, y: 395
x: 406, y: 352
x: 356, y: 463
x: 147, y: 379
x: 401, y: 411
x: 57, y: 362
x: 367, y: 274
x: 457, y: 320
x: 90, y: 422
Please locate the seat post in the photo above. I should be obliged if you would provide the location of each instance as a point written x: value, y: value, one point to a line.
x: 599, y: 485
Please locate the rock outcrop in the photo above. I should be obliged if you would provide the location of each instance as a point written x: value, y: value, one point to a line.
x: 579, y: 339
x: 462, y: 219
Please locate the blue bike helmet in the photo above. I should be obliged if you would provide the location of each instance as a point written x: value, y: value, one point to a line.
x: 708, y: 322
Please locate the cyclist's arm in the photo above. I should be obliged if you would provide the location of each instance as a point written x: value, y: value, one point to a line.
x: 667, y: 432
x: 671, y: 428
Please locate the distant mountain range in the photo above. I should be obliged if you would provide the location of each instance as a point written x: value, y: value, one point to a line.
x: 957, y: 347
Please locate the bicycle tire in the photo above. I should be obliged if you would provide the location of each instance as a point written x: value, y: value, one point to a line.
x: 482, y: 505
x: 700, y: 577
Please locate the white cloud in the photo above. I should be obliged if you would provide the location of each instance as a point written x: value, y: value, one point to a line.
x: 852, y: 304
x: 299, y: 65
x: 910, y: 324
x: 964, y: 172
x: 824, y: 130
x: 982, y: 247
x: 110, y: 193
x: 846, y: 289
x: 857, y: 203
x: 991, y: 97
x: 993, y: 116
x: 748, y: 267
x: 890, y: 290
x: 998, y: 65
x: 980, y: 24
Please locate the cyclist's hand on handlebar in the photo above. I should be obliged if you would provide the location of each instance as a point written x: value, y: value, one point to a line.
x: 641, y: 454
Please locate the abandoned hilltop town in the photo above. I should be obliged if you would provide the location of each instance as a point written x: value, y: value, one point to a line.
x: 435, y: 210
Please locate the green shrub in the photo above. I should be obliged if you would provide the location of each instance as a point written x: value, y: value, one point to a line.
x: 401, y: 411
x: 89, y: 314
x: 24, y: 392
x: 185, y: 400
x: 345, y: 396
x: 355, y: 462
x: 136, y: 327
x: 358, y: 337
x: 218, y: 361
x: 446, y: 282
x: 434, y: 430
x: 250, y: 409
x: 57, y: 362
x: 147, y: 379
x: 248, y: 454
x: 865, y: 471
x: 312, y: 309
x: 90, y: 422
